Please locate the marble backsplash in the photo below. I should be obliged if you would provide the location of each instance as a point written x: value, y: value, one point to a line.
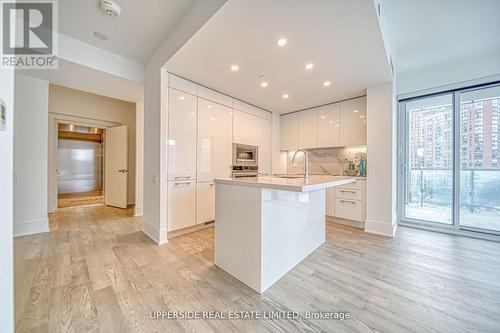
x: 324, y: 161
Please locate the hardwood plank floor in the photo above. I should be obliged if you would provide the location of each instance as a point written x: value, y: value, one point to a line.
x: 97, y: 272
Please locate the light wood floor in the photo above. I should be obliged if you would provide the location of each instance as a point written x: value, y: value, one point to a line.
x: 96, y: 272
x: 80, y: 199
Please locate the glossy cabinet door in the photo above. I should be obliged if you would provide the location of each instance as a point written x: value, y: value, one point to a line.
x: 330, y: 201
x: 181, y: 204
x: 265, y: 146
x: 353, y: 122
x: 205, y: 202
x: 215, y: 143
x: 289, y: 131
x: 182, y: 135
x: 308, y: 129
x: 252, y: 130
x: 328, y: 126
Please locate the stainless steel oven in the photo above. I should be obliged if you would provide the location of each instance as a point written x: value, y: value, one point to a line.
x: 245, y: 155
x: 245, y: 160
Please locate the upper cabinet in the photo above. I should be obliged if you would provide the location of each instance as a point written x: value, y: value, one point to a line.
x: 353, y: 122
x: 215, y: 127
x: 308, y: 129
x: 182, y: 135
x: 289, y: 131
x: 335, y: 125
x: 252, y: 130
x: 328, y: 126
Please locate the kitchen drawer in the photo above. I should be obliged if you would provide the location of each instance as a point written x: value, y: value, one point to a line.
x: 181, y: 204
x: 346, y: 193
x: 357, y: 185
x: 349, y: 209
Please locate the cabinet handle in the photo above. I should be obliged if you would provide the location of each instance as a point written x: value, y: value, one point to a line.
x: 346, y: 191
x: 348, y: 201
x: 182, y: 177
x: 212, y: 184
x: 180, y: 183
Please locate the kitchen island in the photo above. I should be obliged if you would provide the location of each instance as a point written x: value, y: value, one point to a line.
x: 265, y: 226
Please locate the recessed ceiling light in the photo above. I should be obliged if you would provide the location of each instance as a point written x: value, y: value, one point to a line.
x: 281, y: 42
x: 285, y: 96
x: 322, y: 117
x: 330, y: 121
x: 326, y: 83
x: 181, y: 97
x: 213, y: 118
x: 263, y: 84
x: 209, y: 106
x: 235, y: 68
x: 355, y: 111
x: 100, y: 36
x: 309, y: 66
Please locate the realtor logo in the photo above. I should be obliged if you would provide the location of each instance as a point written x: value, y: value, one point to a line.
x: 29, y: 34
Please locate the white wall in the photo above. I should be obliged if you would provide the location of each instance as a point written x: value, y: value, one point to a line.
x: 381, y: 217
x: 452, y: 75
x: 69, y: 105
x: 139, y: 158
x: 6, y: 202
x: 30, y: 156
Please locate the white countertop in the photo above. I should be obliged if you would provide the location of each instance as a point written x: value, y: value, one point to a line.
x: 289, y: 184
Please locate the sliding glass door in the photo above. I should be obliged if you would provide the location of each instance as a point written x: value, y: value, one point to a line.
x: 480, y: 159
x: 450, y: 168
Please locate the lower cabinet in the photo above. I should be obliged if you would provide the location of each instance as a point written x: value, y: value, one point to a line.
x: 181, y: 202
x: 347, y: 201
x: 330, y: 201
x: 205, y: 202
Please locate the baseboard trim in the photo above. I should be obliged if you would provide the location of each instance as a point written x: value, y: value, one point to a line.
x: 380, y: 228
x: 188, y: 230
x: 138, y: 211
x: 152, y: 232
x: 350, y: 223
x: 32, y: 227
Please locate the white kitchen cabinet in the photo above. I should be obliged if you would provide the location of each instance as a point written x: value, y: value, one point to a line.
x: 182, y: 135
x: 179, y: 83
x: 181, y: 204
x: 328, y: 126
x: 308, y: 129
x: 205, y: 202
x: 350, y: 201
x: 330, y: 201
x: 252, y: 130
x: 289, y: 131
x: 353, y: 122
x: 215, y: 141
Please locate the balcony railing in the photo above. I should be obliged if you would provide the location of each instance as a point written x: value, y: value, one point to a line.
x: 479, y: 188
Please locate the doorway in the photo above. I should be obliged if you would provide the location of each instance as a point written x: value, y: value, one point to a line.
x: 80, y: 165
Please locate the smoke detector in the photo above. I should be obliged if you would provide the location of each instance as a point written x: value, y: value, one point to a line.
x: 110, y: 7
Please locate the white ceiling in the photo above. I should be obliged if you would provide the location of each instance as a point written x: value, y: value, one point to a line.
x: 135, y: 34
x: 83, y: 78
x: 424, y: 33
x: 342, y: 39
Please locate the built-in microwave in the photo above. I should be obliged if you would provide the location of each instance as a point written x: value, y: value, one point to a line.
x: 245, y: 155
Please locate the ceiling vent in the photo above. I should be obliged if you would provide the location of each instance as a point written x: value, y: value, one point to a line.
x: 110, y: 7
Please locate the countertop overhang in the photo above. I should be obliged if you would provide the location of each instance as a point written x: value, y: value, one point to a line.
x: 312, y: 183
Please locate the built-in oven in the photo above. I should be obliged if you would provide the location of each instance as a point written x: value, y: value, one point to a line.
x: 245, y: 155
x: 245, y: 160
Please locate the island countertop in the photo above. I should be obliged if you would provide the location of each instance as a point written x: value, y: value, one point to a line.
x: 289, y: 183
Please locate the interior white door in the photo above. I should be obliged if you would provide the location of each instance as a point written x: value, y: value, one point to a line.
x: 115, y: 178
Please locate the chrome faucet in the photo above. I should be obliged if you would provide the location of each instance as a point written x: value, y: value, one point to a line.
x: 306, y: 162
